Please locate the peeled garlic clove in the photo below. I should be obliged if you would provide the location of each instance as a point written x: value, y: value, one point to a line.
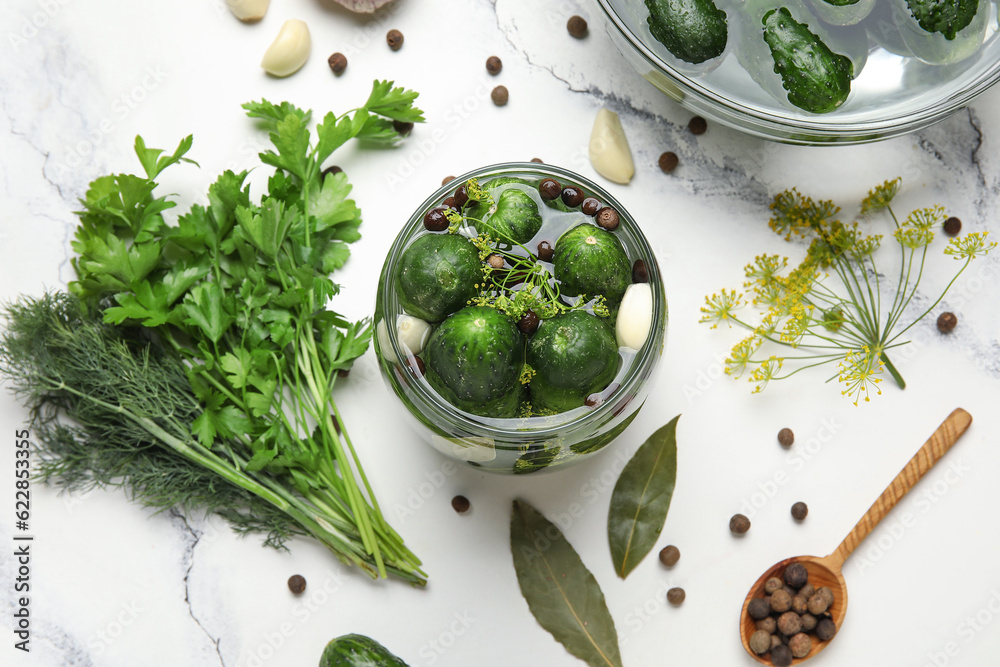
x: 635, y: 316
x: 384, y: 346
x: 248, y: 11
x: 289, y: 51
x: 412, y: 333
x: 609, y: 151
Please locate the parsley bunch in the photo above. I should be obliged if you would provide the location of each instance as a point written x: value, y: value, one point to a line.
x: 236, y: 292
x: 849, y: 326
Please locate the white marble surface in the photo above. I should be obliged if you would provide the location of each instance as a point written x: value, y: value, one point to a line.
x: 114, y: 585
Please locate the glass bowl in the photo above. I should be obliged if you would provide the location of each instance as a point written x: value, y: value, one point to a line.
x: 521, y: 444
x: 895, y: 91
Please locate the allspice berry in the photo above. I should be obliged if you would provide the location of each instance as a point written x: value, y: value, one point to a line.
x: 739, y: 524
x: 760, y: 642
x: 769, y: 625
x: 772, y: 584
x: 781, y: 602
x: 494, y: 65
x: 808, y: 622
x: 668, y: 162
x: 759, y: 609
x: 789, y: 624
x: 460, y: 504
x: 786, y: 437
x: 669, y: 555
x: 826, y: 629
x: 296, y: 584
x: 394, y: 39
x: 675, y: 596
x: 781, y: 656
x: 796, y: 575
x: 952, y: 226
x: 500, y: 96
x: 698, y: 125
x: 800, y: 604
x: 820, y: 601
x: 447, y: 179
x: 799, y: 511
x: 800, y: 645
x: 608, y: 218
x: 337, y: 62
x: 577, y: 26
x: 946, y: 322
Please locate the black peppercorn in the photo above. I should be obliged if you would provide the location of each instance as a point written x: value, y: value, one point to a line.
x: 528, y: 324
x: 946, y: 322
x: 952, y: 226
x: 395, y: 39
x: 698, y: 125
x: 796, y: 575
x: 590, y: 206
x: 669, y: 555
x: 781, y: 656
x: 826, y: 629
x: 337, y: 62
x: 572, y: 196
x: 296, y: 584
x: 434, y: 220
x: 759, y: 608
x: 494, y: 65
x: 639, y: 272
x: 330, y: 171
x: 799, y: 511
x: 668, y: 162
x: 549, y: 189
x: 608, y: 218
x: 739, y: 524
x: 402, y: 127
x: 545, y: 251
x: 786, y: 437
x: 460, y: 504
x: 577, y: 26
x: 500, y: 96
x: 676, y: 595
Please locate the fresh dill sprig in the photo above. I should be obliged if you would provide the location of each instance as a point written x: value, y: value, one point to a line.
x: 849, y: 326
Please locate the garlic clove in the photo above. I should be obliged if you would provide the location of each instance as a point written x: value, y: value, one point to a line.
x: 248, y: 11
x: 290, y: 49
x: 635, y: 316
x: 384, y: 346
x: 412, y: 333
x: 609, y: 151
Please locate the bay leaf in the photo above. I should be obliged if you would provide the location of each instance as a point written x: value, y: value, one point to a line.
x: 641, y: 498
x: 562, y: 594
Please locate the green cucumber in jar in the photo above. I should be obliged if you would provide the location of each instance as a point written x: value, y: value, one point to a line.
x: 437, y: 275
x: 478, y: 210
x: 816, y: 79
x: 590, y: 260
x: 573, y: 355
x: 947, y: 17
x: 692, y: 30
x: 515, y: 218
x: 358, y: 651
x: 474, y: 360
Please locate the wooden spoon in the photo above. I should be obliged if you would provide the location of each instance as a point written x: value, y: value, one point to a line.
x: 827, y: 571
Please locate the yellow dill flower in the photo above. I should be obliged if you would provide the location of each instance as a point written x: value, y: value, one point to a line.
x: 764, y: 268
x: 797, y: 324
x: 969, y: 246
x: 926, y: 218
x: 720, y: 307
x: 527, y: 373
x: 858, y: 371
x: 833, y: 319
x: 881, y: 196
x: 792, y: 212
x: 867, y: 246
x: 768, y: 293
x: 843, y: 237
x: 768, y: 324
x: 740, y: 355
x: 913, y: 237
x: 766, y: 372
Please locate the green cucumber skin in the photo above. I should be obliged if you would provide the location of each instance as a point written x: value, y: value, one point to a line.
x: 947, y: 17
x: 358, y: 651
x: 437, y: 275
x: 817, y: 79
x: 474, y: 359
x: 516, y: 217
x: 590, y: 260
x: 573, y: 355
x: 692, y: 30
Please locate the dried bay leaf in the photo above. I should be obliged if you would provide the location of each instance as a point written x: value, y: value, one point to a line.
x: 561, y: 592
x: 641, y: 498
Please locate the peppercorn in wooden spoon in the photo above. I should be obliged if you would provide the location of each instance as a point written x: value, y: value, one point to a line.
x: 772, y: 600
